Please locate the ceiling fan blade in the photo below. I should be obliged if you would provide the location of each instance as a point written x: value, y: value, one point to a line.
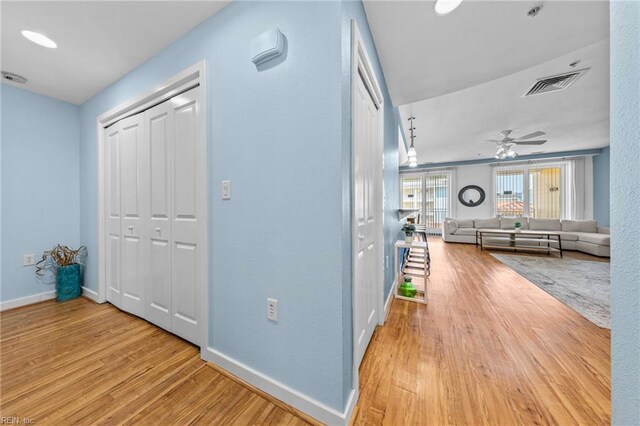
x: 492, y: 140
x: 532, y: 135
x: 540, y: 142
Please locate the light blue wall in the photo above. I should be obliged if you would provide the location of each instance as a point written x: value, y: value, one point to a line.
x: 625, y: 197
x: 601, y: 187
x: 276, y: 134
x: 40, y: 187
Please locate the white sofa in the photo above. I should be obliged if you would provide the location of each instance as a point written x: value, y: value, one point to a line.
x: 580, y: 235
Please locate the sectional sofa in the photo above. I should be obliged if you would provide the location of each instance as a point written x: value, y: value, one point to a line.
x: 581, y: 235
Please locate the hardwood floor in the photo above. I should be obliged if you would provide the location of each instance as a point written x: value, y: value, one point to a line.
x: 82, y: 363
x: 488, y: 348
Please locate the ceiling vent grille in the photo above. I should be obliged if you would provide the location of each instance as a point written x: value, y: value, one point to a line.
x: 15, y: 78
x: 555, y: 83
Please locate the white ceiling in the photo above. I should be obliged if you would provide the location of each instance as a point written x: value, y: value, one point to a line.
x: 455, y: 126
x: 424, y: 55
x: 463, y: 75
x: 98, y: 41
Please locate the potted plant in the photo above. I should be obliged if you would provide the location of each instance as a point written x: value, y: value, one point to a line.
x: 517, y: 226
x: 65, y: 264
x: 408, y: 229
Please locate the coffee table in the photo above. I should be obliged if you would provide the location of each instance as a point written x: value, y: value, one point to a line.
x: 508, y: 239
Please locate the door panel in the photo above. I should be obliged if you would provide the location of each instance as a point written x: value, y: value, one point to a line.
x: 113, y: 254
x: 188, y: 194
x: 132, y: 158
x: 159, y: 121
x: 365, y: 152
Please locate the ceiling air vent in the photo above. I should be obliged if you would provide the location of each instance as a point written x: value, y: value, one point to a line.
x: 13, y: 77
x: 555, y: 83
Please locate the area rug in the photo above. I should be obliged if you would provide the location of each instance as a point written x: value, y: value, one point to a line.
x: 582, y: 285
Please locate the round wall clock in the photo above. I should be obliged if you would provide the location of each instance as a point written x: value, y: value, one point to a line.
x: 471, y: 195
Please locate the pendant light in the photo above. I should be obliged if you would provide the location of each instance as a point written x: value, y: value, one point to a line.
x: 411, y: 152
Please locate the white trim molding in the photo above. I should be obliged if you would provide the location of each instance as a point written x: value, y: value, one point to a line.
x: 27, y: 300
x: 91, y: 294
x: 284, y: 393
x: 390, y: 297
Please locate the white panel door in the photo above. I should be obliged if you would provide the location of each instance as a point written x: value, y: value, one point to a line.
x: 366, y: 198
x: 159, y: 138
x: 114, y: 226
x: 187, y: 216
x: 156, y: 200
x: 133, y: 164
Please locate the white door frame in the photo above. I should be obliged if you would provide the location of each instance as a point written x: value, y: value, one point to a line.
x: 191, y: 77
x: 360, y: 63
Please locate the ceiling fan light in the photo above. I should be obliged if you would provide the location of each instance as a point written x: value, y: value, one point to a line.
x: 411, y: 152
x: 512, y: 154
x: 444, y: 7
x: 413, y: 163
x: 502, y: 155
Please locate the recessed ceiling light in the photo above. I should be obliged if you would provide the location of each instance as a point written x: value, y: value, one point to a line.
x: 40, y: 39
x: 444, y: 7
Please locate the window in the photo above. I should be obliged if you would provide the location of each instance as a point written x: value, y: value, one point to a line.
x: 531, y: 191
x: 430, y: 194
x: 411, y: 193
x: 436, y: 199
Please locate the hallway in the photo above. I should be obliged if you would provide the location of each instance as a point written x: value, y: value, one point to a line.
x: 488, y: 348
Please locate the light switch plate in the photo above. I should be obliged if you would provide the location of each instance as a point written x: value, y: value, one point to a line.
x: 226, y: 189
x: 272, y: 309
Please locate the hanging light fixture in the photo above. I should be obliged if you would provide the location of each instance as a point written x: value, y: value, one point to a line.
x: 411, y: 152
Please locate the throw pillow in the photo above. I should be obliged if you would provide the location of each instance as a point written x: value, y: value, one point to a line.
x: 579, y: 226
x: 544, y: 224
x: 465, y: 223
x: 493, y: 223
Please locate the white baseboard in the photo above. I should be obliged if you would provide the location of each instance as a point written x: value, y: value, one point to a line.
x: 28, y: 300
x: 93, y: 295
x: 390, y: 297
x: 284, y: 393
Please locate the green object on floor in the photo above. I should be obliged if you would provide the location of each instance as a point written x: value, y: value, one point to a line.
x: 406, y: 288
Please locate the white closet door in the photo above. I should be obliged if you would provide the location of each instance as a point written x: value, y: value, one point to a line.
x: 133, y: 162
x: 156, y: 177
x: 159, y: 124
x: 365, y: 201
x: 187, y: 216
x: 114, y: 226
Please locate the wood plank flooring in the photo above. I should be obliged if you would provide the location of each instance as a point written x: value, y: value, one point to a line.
x: 81, y: 363
x: 489, y: 348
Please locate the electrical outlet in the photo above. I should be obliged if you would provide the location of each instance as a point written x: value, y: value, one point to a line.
x: 29, y: 260
x: 272, y: 309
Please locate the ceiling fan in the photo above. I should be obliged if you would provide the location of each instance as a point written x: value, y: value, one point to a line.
x: 505, y: 145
